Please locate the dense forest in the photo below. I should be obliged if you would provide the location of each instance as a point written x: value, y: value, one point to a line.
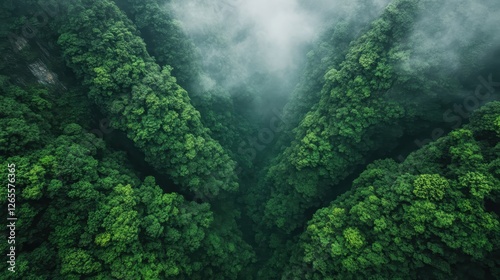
x: 204, y: 139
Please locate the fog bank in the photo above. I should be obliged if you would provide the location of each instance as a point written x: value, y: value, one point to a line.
x: 239, y: 38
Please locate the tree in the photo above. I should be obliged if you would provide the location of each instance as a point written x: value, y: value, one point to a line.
x: 141, y: 99
x: 413, y: 220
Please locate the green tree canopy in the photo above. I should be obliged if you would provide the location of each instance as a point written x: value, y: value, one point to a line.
x: 414, y: 220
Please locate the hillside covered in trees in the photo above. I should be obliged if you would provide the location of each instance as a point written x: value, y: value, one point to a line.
x: 203, y: 139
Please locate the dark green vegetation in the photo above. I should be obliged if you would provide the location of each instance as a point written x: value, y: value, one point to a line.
x: 384, y: 165
x: 425, y: 218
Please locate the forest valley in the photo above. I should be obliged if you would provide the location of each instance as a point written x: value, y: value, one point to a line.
x: 203, y: 139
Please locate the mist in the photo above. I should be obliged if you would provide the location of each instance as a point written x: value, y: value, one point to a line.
x: 457, y: 34
x: 238, y: 39
x: 263, y: 43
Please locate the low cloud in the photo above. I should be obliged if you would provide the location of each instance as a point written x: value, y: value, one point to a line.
x: 238, y: 38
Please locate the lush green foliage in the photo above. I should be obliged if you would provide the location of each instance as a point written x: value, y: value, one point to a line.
x: 142, y: 99
x: 327, y: 53
x: 367, y: 102
x: 420, y: 219
x: 139, y: 158
x: 165, y: 40
x: 87, y: 216
x: 333, y: 137
x: 84, y: 214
